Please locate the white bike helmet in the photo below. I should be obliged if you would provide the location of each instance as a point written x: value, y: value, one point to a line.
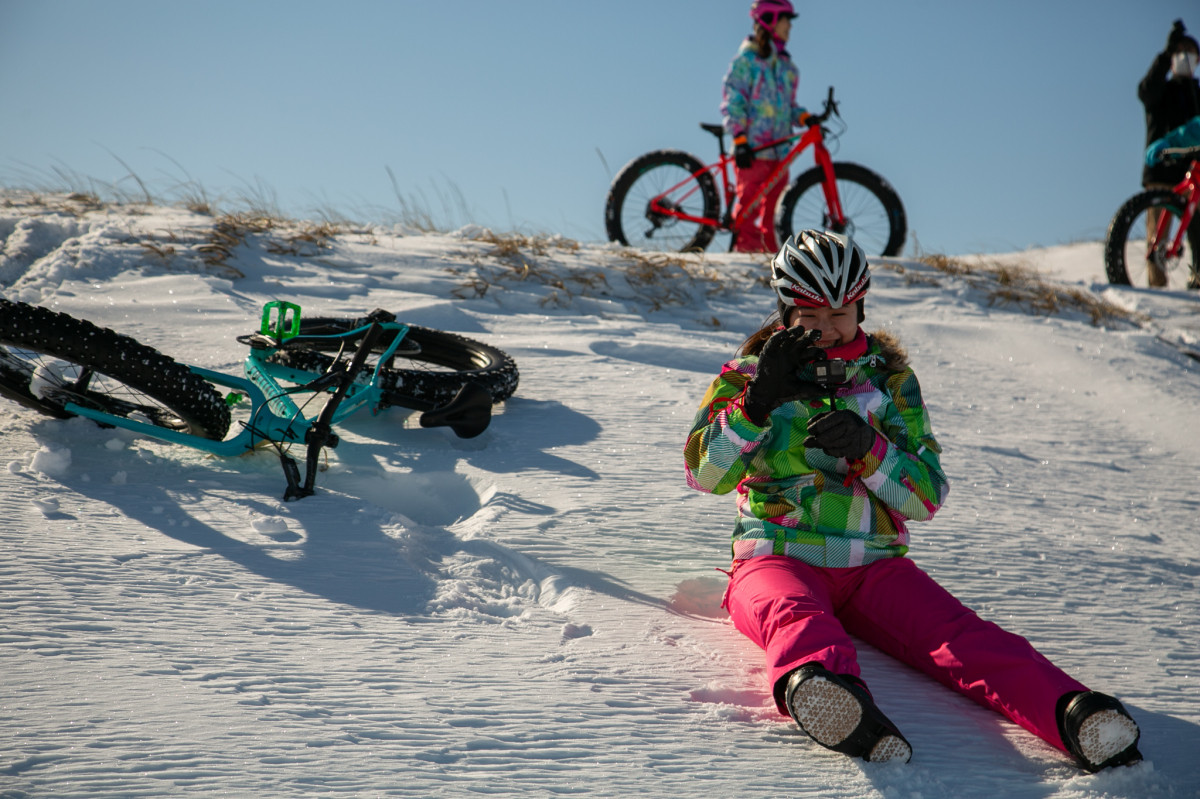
x: 819, y: 270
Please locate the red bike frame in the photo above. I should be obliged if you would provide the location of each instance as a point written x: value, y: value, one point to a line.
x: 1189, y: 190
x: 814, y: 137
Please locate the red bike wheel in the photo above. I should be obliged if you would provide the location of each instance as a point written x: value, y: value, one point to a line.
x: 874, y: 214
x: 630, y: 219
x: 1125, y: 248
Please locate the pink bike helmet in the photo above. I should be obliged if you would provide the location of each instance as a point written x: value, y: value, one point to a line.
x: 768, y: 12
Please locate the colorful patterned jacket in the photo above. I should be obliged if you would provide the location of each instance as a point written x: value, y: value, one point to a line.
x: 804, y: 503
x: 759, y: 98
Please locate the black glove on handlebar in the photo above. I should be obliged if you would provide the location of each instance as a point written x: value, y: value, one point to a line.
x: 842, y: 434
x: 743, y: 155
x: 776, y: 381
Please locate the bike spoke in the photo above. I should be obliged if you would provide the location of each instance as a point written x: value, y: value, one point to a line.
x: 867, y: 221
x: 60, y: 382
x: 655, y: 200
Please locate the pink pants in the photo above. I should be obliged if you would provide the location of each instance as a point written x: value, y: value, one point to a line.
x: 756, y: 233
x: 799, y: 613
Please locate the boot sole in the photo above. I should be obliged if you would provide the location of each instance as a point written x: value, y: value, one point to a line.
x: 1104, y: 735
x: 830, y: 714
x: 890, y: 748
x: 827, y: 712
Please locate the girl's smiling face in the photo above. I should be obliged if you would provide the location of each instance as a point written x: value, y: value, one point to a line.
x: 837, y: 325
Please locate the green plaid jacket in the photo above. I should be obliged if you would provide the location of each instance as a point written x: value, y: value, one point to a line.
x: 804, y: 503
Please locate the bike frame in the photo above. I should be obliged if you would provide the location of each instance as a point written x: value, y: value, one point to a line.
x: 1189, y: 190
x: 813, y: 137
x: 274, y: 415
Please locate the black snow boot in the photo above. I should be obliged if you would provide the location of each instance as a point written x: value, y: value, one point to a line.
x: 1097, y: 730
x: 836, y: 710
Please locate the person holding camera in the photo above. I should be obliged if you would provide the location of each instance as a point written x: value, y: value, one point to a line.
x: 758, y: 106
x: 1170, y: 94
x: 822, y: 431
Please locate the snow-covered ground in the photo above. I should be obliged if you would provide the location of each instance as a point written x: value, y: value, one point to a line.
x: 536, y: 611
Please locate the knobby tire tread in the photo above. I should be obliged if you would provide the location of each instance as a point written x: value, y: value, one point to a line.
x: 176, y: 387
x: 470, y: 361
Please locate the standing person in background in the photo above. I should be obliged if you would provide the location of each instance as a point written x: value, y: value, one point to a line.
x: 759, y: 106
x: 1171, y: 96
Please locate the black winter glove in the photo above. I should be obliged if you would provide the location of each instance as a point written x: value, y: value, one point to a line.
x: 743, y: 156
x: 776, y: 381
x: 842, y: 434
x: 1178, y: 32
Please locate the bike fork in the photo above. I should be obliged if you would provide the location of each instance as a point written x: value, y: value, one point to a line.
x: 835, y: 217
x: 1174, y: 245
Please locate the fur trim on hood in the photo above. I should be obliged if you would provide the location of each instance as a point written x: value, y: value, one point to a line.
x: 895, y: 358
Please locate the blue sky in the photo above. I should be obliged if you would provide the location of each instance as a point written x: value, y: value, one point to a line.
x: 1002, y: 125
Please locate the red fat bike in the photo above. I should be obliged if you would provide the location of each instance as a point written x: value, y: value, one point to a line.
x: 667, y: 200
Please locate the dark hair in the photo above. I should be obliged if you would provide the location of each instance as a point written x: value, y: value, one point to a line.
x: 762, y: 41
x: 753, y: 344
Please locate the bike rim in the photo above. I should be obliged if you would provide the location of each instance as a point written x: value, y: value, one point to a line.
x: 867, y: 220
x: 55, y: 381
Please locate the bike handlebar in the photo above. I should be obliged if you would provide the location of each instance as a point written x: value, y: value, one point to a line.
x: 1173, y: 154
x: 831, y: 109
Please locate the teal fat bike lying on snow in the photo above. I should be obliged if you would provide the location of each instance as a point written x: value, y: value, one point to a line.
x: 63, y: 367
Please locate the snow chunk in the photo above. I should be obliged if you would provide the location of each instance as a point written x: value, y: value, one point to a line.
x: 49, y: 376
x: 270, y: 524
x: 51, y: 462
x: 47, y: 505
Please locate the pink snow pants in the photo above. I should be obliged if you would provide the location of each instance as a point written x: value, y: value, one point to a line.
x: 800, y: 613
x: 757, y: 231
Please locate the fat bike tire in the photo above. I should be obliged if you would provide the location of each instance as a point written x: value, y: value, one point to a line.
x: 1126, y: 242
x: 426, y: 371
x: 49, y: 359
x: 629, y: 220
x: 875, y: 215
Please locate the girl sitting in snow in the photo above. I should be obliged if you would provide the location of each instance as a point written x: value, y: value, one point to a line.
x: 820, y: 537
